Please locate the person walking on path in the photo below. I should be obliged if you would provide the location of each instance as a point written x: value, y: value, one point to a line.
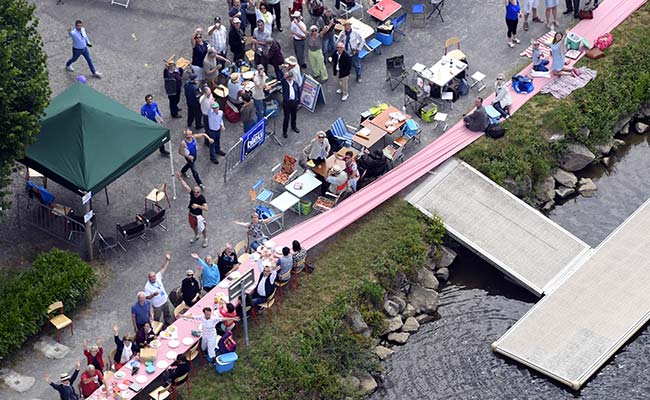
x: 173, y: 77
x: 551, y: 8
x: 290, y: 103
x: 342, y: 64
x: 151, y: 111
x: 215, y: 127
x: 353, y: 42
x: 155, y: 291
x: 80, y: 45
x: 572, y: 6
x: 197, y: 205
x: 315, y: 53
x: 187, y: 149
x: 299, y: 34
x: 513, y: 12
x: 65, y: 387
x: 530, y: 7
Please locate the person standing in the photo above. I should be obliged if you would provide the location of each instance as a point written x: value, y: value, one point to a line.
x: 315, y: 53
x: 205, y: 101
x: 151, y: 111
x: 572, y: 6
x: 65, y: 388
x: 211, y: 275
x: 530, y: 7
x: 80, y: 45
x: 247, y: 115
x: 315, y: 9
x: 551, y: 8
x: 197, y: 205
x: 353, y: 42
x: 275, y: 57
x: 299, y: 34
x: 237, y: 41
x: 218, y: 37
x: 249, y: 14
x: 326, y: 27
x: 192, y: 95
x: 215, y: 126
x: 141, y: 312
x: 318, y: 149
x: 199, y: 51
x: 263, y: 14
x: 173, y: 77
x: 342, y: 65
x: 259, y: 83
x: 290, y: 103
x: 513, y: 12
x: 209, y: 322
x: 258, y: 43
x: 275, y: 8
x: 212, y: 64
x: 188, y: 150
x: 155, y: 291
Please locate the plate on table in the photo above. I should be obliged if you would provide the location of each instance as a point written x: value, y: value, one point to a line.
x: 270, y: 244
x: 173, y: 344
x: 141, y: 379
x: 171, y: 329
x: 119, y: 374
x: 235, y: 275
x: 162, y: 364
x: 122, y: 386
x: 224, y: 283
x: 188, y: 341
x: 256, y: 256
x: 171, y: 355
x: 278, y: 250
x: 155, y: 343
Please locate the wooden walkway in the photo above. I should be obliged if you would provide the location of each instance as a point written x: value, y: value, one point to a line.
x: 505, y: 231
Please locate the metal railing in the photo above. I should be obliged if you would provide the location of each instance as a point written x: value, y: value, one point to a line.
x: 232, y: 158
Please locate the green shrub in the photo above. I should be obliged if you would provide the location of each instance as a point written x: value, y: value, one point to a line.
x: 375, y: 320
x: 371, y: 293
x: 55, y: 275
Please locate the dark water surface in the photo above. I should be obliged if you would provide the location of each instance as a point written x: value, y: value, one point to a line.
x: 451, y: 358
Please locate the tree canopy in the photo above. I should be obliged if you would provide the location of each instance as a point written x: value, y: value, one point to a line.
x: 24, y: 85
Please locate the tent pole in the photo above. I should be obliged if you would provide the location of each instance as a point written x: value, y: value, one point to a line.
x: 171, y: 165
x: 106, y: 193
x: 89, y: 233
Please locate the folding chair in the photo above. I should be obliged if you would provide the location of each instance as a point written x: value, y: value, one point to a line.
x: 342, y: 132
x: 455, y: 53
x: 373, y: 46
x: 273, y: 219
x: 347, y: 11
x: 437, y: 9
x: 132, y: 231
x: 154, y: 217
x: 413, y: 97
x: 259, y: 193
x: 157, y: 195
x: 398, y: 24
x: 418, y: 13
x: 395, y: 71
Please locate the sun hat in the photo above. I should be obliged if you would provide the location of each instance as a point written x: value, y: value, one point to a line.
x: 296, y: 14
x: 65, y: 377
x: 291, y: 60
x: 234, y: 76
x: 189, y: 271
x: 236, y: 20
x: 336, y: 169
x: 313, y: 27
x: 321, y: 134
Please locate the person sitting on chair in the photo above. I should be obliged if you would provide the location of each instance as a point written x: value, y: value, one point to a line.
x: 145, y: 335
x: 336, y: 181
x: 190, y: 288
x: 318, y: 149
x: 285, y: 262
x: 374, y: 164
x: 234, y: 89
x: 126, y: 349
x: 227, y: 344
x: 265, y: 284
x: 179, y: 368
x: 477, y: 121
x: 255, y: 235
x: 227, y: 260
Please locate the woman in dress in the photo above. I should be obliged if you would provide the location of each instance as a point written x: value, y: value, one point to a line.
x: 513, y: 11
x: 559, y: 65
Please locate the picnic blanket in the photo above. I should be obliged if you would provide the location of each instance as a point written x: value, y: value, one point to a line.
x: 546, y: 51
x: 564, y: 85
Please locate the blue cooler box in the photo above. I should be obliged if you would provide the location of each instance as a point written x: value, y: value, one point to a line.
x: 386, y: 39
x: 225, y: 362
x: 493, y: 114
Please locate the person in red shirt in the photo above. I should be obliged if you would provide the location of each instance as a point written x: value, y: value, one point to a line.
x: 94, y: 354
x: 229, y: 316
x: 91, y: 380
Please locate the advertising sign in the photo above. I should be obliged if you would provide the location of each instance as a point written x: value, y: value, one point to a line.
x: 253, y: 139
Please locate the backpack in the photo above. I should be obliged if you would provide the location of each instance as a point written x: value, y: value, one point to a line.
x: 522, y: 84
x: 263, y: 212
x: 463, y: 87
x: 495, y: 131
x: 604, y: 41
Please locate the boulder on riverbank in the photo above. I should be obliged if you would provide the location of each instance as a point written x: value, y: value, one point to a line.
x: 411, y: 325
x: 357, y: 323
x: 545, y: 190
x: 393, y: 324
x: 383, y: 352
x: 565, y: 178
x: 447, y: 256
x: 563, y: 192
x: 576, y: 157
x: 398, y: 337
x: 427, y: 279
x: 587, y: 187
x: 367, y: 383
x: 640, y: 127
x: 425, y: 301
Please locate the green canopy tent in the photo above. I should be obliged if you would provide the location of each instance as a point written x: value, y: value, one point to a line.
x: 88, y: 140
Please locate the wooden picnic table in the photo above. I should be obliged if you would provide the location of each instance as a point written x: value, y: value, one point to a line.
x: 384, y: 117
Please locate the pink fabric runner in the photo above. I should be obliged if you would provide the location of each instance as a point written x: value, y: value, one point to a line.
x: 321, y: 227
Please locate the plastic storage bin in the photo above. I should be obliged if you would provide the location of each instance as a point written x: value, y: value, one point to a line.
x: 225, y: 362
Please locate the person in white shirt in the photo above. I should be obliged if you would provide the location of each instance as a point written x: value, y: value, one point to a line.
x: 318, y: 149
x: 155, y: 291
x: 80, y: 44
x: 206, y: 101
x: 353, y: 42
x: 209, y: 322
x: 258, y: 91
x: 218, y: 37
x: 265, y: 285
x: 299, y: 34
x: 262, y: 14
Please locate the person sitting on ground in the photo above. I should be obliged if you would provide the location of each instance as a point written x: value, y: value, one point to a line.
x: 227, y: 344
x: 318, y: 149
x: 179, y: 368
x: 337, y: 179
x: 126, y: 349
x: 254, y: 235
x: 91, y: 380
x: 477, y: 121
x: 502, y: 100
x: 285, y: 263
x: 559, y: 66
x: 65, y: 388
x: 145, y: 335
x: 265, y: 284
x: 374, y: 164
x: 539, y: 63
x: 94, y: 354
x: 228, y: 316
x: 211, y: 275
x: 227, y: 260
x: 190, y: 288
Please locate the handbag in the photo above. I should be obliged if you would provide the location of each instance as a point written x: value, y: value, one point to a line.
x: 586, y: 14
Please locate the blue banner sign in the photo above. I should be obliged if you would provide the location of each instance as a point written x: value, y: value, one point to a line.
x: 253, y: 139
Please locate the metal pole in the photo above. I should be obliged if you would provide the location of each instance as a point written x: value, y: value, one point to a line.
x: 171, y: 165
x: 243, y: 311
x: 89, y: 233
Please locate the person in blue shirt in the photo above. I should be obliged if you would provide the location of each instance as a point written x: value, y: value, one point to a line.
x: 80, y: 44
x: 210, y: 276
x: 65, y: 387
x: 151, y: 111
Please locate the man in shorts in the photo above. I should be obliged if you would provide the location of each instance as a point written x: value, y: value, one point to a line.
x: 197, y: 205
x: 530, y: 7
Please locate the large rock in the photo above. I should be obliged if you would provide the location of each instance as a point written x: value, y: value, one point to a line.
x: 409, y: 311
x: 51, y: 349
x: 584, y: 133
x: 401, y: 303
x: 563, y: 192
x: 351, y: 381
x: 518, y: 188
x: 398, y: 337
x: 623, y: 124
x: 442, y: 274
x: 356, y: 322
x: 604, y: 149
x: 411, y: 325
x: 640, y: 127
x: 545, y: 190
x: 625, y: 129
x: 587, y: 187
x: 645, y: 111
x: 427, y: 279
x: 393, y: 324
x: 367, y: 383
x: 618, y: 143
x: 424, y: 318
x: 556, y: 137
x: 576, y: 157
x: 608, y: 162
x: 15, y: 381
x: 391, y: 308
x: 383, y: 352
x: 447, y: 256
x: 425, y: 301
x: 565, y: 178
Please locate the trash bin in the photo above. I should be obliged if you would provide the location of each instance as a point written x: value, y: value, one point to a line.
x: 225, y: 362
x: 386, y: 39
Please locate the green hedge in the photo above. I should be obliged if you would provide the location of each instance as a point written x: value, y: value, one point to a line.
x: 622, y: 86
x: 55, y: 275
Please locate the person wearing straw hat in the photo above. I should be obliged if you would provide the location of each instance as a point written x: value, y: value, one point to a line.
x: 353, y: 43
x: 299, y: 35
x: 336, y: 180
x: 291, y: 65
x: 64, y: 387
x: 290, y: 103
x: 315, y: 53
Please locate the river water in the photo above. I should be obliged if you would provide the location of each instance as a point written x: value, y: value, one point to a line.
x: 450, y: 358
